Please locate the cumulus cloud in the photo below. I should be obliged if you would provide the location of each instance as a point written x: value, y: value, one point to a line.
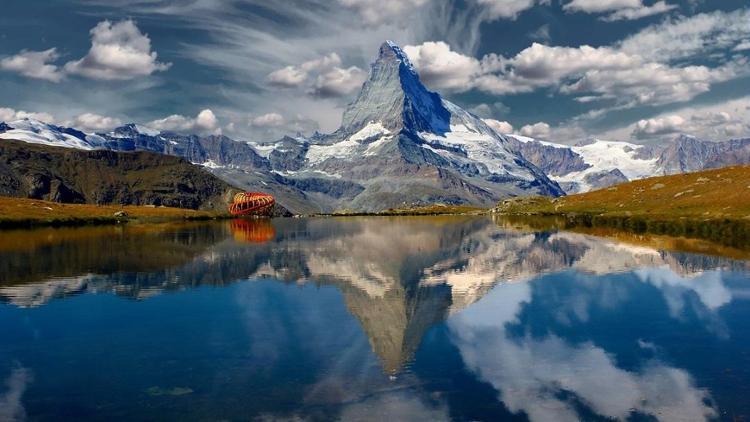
x: 322, y: 77
x: 9, y: 114
x: 440, y: 67
x: 34, y: 64
x: 586, y: 72
x: 715, y: 123
x: 720, y: 121
x: 91, y: 122
x: 539, y: 130
x: 659, y: 126
x: 338, y: 82
x: 375, y: 12
x: 500, y: 127
x: 205, y: 121
x: 119, y: 51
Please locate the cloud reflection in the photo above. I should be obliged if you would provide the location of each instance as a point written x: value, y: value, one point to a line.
x: 547, y: 378
x: 11, y: 407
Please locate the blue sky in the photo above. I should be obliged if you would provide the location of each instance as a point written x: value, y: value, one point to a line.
x: 561, y: 70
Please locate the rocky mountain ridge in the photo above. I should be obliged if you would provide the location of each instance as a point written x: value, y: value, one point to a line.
x: 401, y: 145
x: 597, y: 163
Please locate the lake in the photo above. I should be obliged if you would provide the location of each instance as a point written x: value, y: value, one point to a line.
x: 370, y: 318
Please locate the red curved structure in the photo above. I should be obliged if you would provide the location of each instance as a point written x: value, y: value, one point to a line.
x: 251, y: 203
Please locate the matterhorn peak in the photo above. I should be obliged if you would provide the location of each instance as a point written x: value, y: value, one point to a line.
x: 394, y: 96
x: 390, y: 49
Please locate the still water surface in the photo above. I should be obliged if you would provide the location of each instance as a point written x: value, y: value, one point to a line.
x: 413, y: 318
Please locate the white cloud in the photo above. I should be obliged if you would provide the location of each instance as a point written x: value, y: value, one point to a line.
x: 720, y: 121
x: 205, y: 121
x: 490, y: 110
x: 9, y: 114
x: 441, y: 68
x: 34, y: 64
x: 598, y: 72
x: 500, y: 127
x: 321, y: 77
x: 688, y: 37
x: 640, y: 12
x: 541, y: 33
x: 288, y: 77
x: 11, y: 406
x: 653, y: 83
x: 118, y: 51
x: 659, y: 126
x: 598, y: 6
x: 91, y: 122
x: 268, y: 120
x: 507, y: 9
x: 274, y: 125
x: 539, y: 130
x: 637, y: 71
x: 338, y: 82
x: 376, y: 12
x: 531, y: 373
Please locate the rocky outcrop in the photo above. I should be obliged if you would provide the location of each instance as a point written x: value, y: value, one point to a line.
x: 605, y: 178
x: 688, y: 154
x: 553, y: 160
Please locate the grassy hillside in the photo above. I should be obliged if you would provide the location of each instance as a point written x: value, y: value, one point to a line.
x: 713, y: 204
x: 21, y: 212
x: 107, y: 177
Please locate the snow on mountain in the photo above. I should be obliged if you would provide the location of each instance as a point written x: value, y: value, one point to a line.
x: 591, y: 165
x: 400, y: 144
x: 603, y: 157
x: 37, y: 132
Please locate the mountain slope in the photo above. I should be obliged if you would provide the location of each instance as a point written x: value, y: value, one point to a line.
x: 718, y: 193
x: 399, y: 145
x: 404, y: 145
x: 597, y: 163
x: 107, y: 177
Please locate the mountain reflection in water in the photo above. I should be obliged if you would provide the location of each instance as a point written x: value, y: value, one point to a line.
x: 475, y: 319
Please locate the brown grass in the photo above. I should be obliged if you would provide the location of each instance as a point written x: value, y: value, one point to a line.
x: 20, y: 212
x: 713, y: 204
x: 712, y: 194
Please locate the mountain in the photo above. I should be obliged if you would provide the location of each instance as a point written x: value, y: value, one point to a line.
x: 404, y: 145
x: 688, y: 154
x: 107, y: 177
x: 398, y: 145
x: 401, y: 145
x: 597, y: 163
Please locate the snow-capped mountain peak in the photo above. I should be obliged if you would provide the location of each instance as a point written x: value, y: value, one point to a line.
x: 38, y: 132
x: 394, y: 96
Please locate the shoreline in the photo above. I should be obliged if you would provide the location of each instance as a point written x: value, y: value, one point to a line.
x: 20, y: 213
